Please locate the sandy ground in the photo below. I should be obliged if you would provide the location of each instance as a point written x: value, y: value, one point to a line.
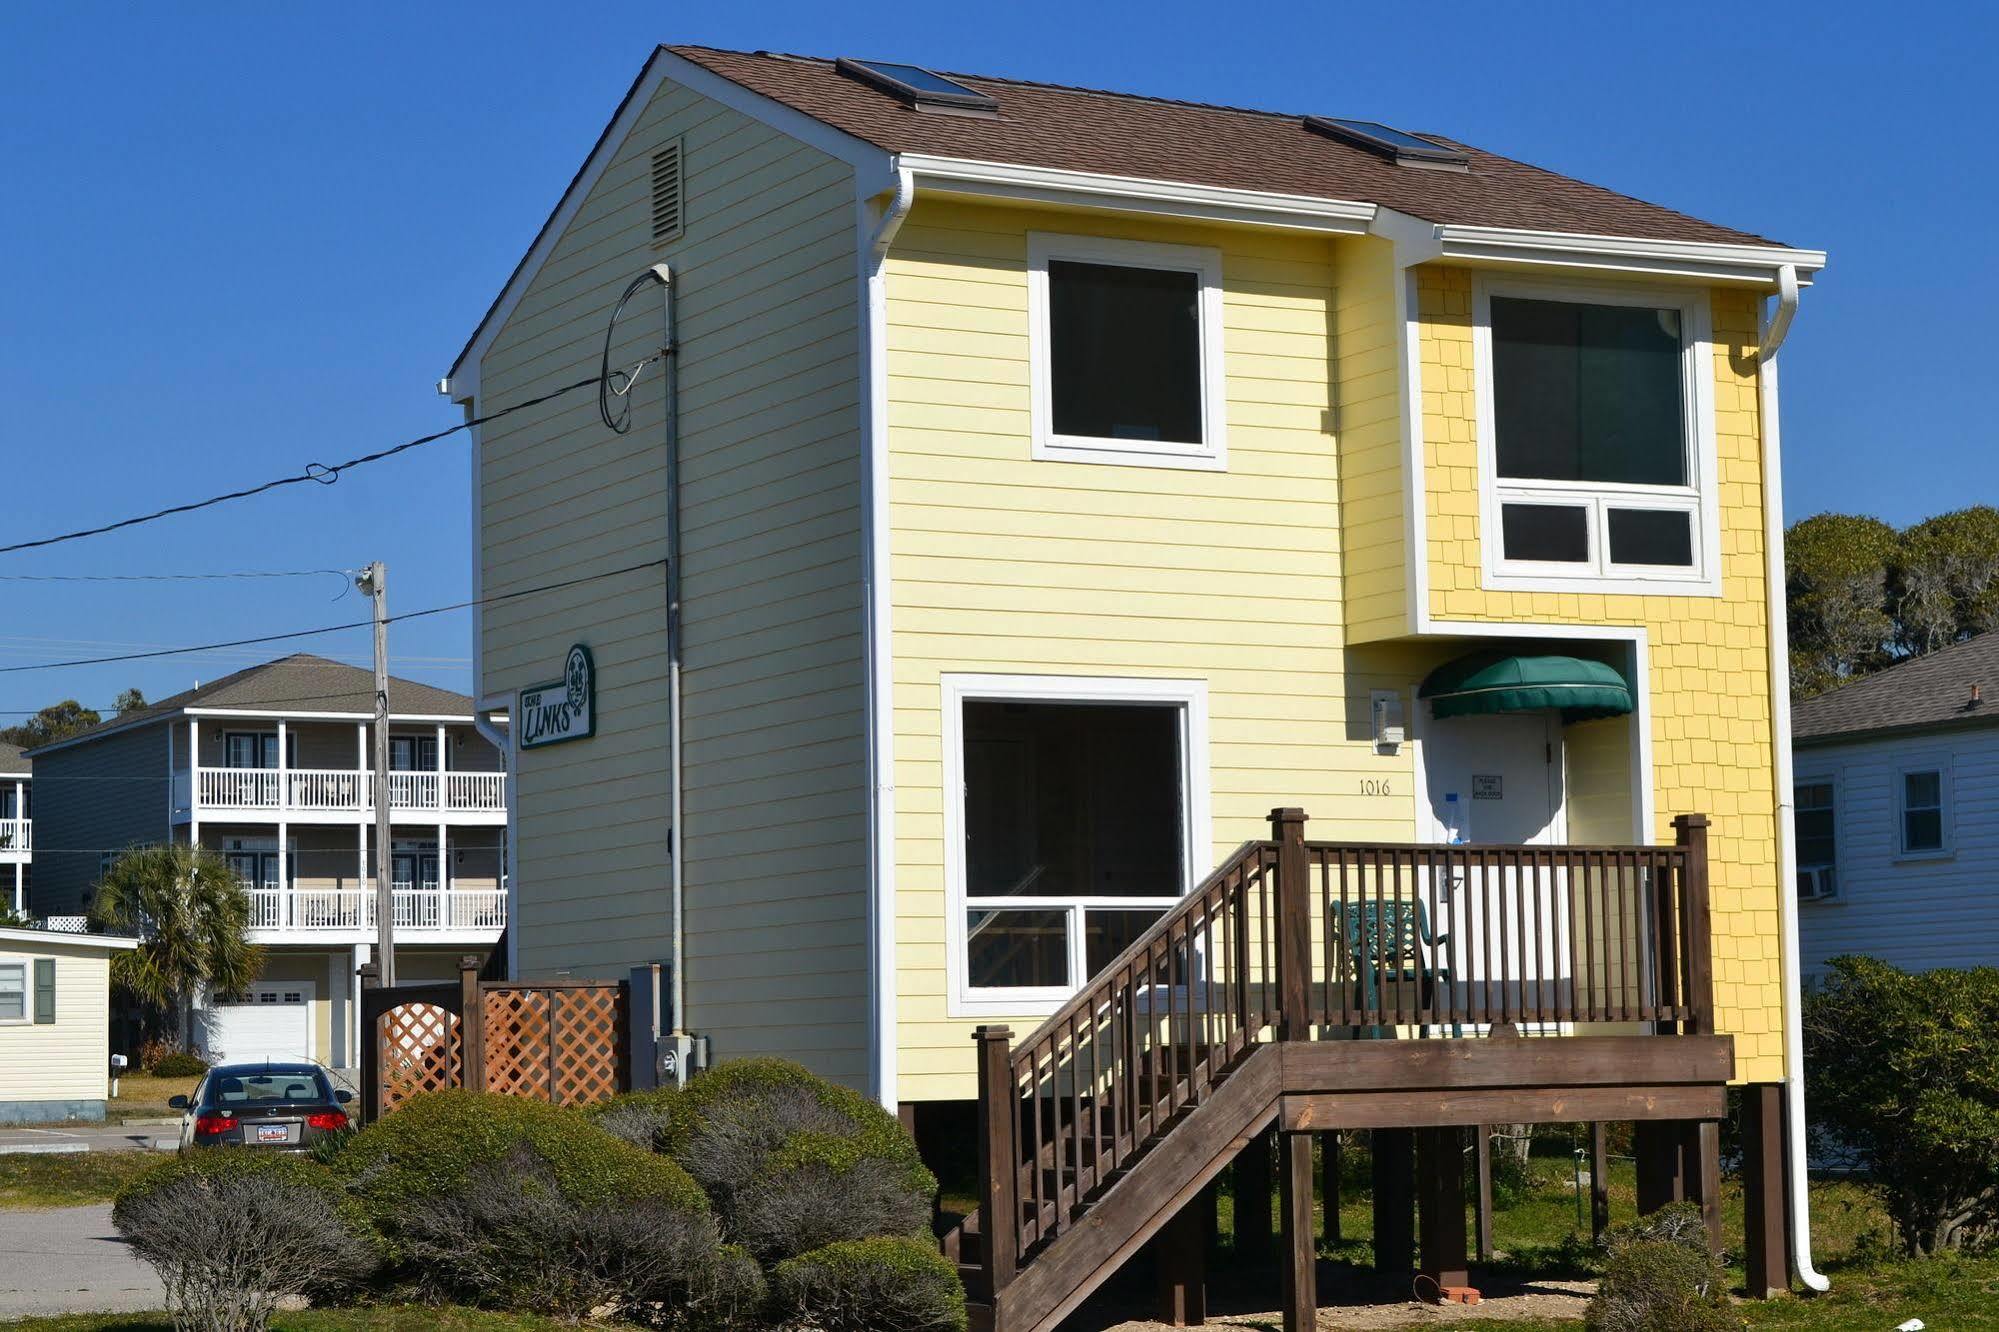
x: 1358, y: 1311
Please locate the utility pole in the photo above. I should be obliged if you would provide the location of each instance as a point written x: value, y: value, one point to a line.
x: 374, y: 580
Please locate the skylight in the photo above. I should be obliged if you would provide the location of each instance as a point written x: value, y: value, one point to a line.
x: 917, y: 87
x: 1393, y: 144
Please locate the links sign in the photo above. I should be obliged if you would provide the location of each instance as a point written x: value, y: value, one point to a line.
x: 560, y: 710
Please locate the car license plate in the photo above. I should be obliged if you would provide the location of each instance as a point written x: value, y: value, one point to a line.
x: 272, y: 1133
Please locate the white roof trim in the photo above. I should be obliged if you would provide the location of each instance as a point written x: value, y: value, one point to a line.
x: 113, y: 943
x: 1133, y: 194
x: 288, y: 714
x: 462, y: 384
x: 1705, y: 260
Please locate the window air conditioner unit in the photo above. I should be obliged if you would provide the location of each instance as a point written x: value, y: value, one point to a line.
x: 1817, y: 883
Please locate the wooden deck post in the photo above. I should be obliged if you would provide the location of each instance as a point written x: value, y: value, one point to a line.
x: 1294, y: 925
x: 1251, y: 1186
x: 1329, y: 1184
x: 1690, y: 832
x: 1394, y: 1202
x: 1657, y: 1144
x: 1180, y: 1263
x: 1599, y: 1181
x: 998, y: 1119
x: 1440, y: 1161
x: 471, y: 1025
x: 1700, y: 1168
x: 1765, y: 1234
x: 1482, y: 1212
x: 1301, y: 1256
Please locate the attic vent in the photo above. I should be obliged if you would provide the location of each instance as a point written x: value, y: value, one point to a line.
x: 1398, y: 146
x: 668, y: 195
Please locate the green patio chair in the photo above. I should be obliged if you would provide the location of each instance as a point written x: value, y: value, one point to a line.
x: 1390, y: 940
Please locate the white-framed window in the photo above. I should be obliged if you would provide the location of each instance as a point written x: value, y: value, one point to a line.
x: 1596, y: 438
x: 1922, y: 800
x: 1076, y: 814
x: 13, y: 990
x: 1125, y: 346
x: 1814, y: 806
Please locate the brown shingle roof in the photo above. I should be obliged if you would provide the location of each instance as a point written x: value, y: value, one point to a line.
x: 302, y: 682
x: 1926, y: 691
x: 1121, y: 134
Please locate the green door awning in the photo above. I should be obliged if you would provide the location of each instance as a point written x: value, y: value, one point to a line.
x: 1489, y: 682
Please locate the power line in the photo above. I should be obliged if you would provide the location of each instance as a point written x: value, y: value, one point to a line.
x: 334, y: 628
x: 323, y: 473
x: 173, y: 577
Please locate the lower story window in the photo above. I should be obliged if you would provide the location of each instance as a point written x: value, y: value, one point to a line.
x: 13, y: 992
x: 1075, y: 835
x: 1817, y: 845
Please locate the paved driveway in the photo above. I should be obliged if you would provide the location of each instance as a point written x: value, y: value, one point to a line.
x: 70, y: 1260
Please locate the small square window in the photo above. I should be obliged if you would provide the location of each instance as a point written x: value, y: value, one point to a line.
x: 1545, y: 533
x: 1662, y: 537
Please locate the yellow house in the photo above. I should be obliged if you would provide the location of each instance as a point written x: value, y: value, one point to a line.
x: 1040, y: 487
x: 55, y: 1024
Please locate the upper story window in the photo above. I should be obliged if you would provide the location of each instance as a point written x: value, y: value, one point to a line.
x: 258, y: 749
x: 1125, y: 341
x: 1925, y: 810
x: 1596, y: 423
x: 1818, y: 851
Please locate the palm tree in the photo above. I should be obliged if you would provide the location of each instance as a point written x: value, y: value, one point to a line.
x: 193, y: 916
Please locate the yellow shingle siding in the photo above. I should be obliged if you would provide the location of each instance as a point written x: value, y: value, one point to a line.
x: 1710, y: 669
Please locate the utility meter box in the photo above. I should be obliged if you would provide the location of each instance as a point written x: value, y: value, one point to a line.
x: 1388, y: 729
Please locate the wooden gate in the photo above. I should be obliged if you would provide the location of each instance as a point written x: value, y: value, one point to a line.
x: 566, y: 1042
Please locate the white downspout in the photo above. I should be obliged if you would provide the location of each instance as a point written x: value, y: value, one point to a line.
x: 876, y: 598
x: 1774, y: 332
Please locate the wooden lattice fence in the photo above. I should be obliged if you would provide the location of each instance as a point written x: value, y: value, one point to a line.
x: 568, y: 1042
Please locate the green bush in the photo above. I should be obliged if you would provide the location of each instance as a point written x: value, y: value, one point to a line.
x: 232, y: 1233
x: 1679, y: 1223
x: 642, y: 1118
x: 179, y: 1064
x: 869, y: 1285
x: 793, y: 1162
x: 513, y: 1202
x: 1904, y: 1071
x: 1660, y: 1286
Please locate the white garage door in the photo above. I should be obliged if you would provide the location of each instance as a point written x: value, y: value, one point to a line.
x: 274, y: 1021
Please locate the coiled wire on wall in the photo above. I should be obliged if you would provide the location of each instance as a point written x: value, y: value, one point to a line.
x: 614, y: 402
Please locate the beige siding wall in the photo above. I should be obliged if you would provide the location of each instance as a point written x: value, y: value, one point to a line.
x: 69, y: 1059
x: 104, y: 796
x: 769, y: 327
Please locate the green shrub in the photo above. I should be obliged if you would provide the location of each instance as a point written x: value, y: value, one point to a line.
x: 1904, y: 1071
x: 232, y: 1233
x: 513, y: 1202
x: 179, y: 1064
x: 642, y: 1118
x: 1679, y: 1223
x: 1660, y: 1286
x: 793, y: 1162
x: 869, y: 1285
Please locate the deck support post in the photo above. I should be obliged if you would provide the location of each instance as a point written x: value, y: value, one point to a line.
x: 1180, y: 1263
x: 1440, y: 1162
x: 1301, y: 1257
x: 1482, y: 1213
x: 1599, y: 1181
x: 998, y: 1118
x: 1701, y: 1168
x: 1394, y: 1202
x: 1252, y: 1185
x: 1329, y: 1184
x: 471, y: 1025
x: 1656, y: 1143
x: 1765, y: 1233
x: 1680, y: 1161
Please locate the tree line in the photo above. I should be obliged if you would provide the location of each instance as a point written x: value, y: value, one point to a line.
x: 1864, y: 596
x: 60, y: 721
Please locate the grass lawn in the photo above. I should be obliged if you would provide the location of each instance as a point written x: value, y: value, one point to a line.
x: 67, y: 1179
x: 143, y: 1096
x: 385, y: 1318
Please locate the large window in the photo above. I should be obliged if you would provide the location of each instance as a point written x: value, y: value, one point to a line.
x: 1925, y: 808
x: 13, y: 992
x: 1126, y: 350
x: 1597, y: 437
x: 1073, y: 834
x: 1817, y: 841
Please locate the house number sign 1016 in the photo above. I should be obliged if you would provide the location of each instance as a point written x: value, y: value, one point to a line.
x: 560, y: 710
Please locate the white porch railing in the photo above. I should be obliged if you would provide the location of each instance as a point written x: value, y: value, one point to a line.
x: 17, y: 834
x: 333, y: 790
x: 418, y: 910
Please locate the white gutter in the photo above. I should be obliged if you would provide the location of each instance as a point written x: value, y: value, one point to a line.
x: 1774, y: 331
x: 876, y: 235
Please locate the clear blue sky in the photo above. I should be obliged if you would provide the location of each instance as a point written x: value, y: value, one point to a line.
x: 240, y: 238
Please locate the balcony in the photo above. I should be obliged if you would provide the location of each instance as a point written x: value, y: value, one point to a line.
x: 17, y: 839
x: 343, y: 793
x: 351, y: 911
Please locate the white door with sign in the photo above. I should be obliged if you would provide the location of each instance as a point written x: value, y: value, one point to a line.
x: 1497, y: 780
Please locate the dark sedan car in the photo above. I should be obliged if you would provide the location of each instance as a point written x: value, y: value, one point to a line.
x: 278, y: 1107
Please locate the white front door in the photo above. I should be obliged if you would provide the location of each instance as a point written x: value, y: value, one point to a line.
x: 1497, y: 780
x: 273, y: 1020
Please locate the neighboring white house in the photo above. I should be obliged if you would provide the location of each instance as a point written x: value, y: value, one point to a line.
x: 55, y: 1024
x: 1897, y: 797
x: 17, y: 841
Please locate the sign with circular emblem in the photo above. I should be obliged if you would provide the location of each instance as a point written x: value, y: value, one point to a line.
x: 560, y: 710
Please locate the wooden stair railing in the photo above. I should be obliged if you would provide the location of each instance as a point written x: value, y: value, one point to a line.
x: 1550, y: 935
